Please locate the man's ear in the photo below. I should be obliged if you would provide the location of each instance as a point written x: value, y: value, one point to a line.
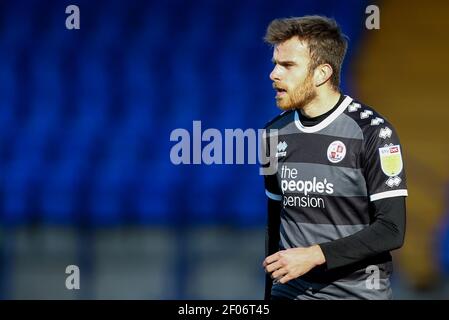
x: 322, y: 73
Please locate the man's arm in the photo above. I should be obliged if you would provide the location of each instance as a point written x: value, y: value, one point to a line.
x: 272, y: 238
x: 274, y: 202
x: 386, y: 233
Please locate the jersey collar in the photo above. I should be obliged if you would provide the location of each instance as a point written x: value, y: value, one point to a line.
x: 323, y: 124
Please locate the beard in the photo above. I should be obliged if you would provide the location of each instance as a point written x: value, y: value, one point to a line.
x: 299, y: 97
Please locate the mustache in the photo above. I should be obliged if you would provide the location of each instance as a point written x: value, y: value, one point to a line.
x: 278, y: 87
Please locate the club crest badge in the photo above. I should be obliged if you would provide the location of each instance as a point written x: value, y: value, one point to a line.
x: 336, y: 151
x: 391, y: 160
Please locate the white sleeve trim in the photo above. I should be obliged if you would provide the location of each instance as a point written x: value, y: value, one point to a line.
x: 273, y: 196
x: 388, y: 194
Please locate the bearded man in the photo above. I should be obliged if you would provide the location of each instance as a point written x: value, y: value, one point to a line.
x: 336, y: 203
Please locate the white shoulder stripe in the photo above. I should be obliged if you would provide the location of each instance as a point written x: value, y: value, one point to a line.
x: 273, y: 196
x: 389, y: 194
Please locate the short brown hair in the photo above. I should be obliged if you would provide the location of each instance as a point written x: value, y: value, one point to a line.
x: 327, y: 44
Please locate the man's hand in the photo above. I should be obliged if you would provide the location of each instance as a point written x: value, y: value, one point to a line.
x: 289, y: 264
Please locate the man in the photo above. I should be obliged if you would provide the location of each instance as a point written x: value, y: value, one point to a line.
x: 336, y: 204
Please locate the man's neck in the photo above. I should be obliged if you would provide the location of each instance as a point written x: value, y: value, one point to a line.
x: 324, y: 102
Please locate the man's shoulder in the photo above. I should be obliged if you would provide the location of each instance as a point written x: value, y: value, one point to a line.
x: 368, y: 119
x: 280, y: 121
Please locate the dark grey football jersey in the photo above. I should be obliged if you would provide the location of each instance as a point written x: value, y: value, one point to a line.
x: 327, y: 176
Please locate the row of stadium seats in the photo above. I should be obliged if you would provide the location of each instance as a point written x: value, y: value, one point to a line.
x: 86, y: 115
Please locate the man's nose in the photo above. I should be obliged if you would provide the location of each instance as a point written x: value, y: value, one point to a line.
x: 274, y: 75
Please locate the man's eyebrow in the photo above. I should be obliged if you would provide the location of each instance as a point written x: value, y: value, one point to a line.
x: 283, y: 63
